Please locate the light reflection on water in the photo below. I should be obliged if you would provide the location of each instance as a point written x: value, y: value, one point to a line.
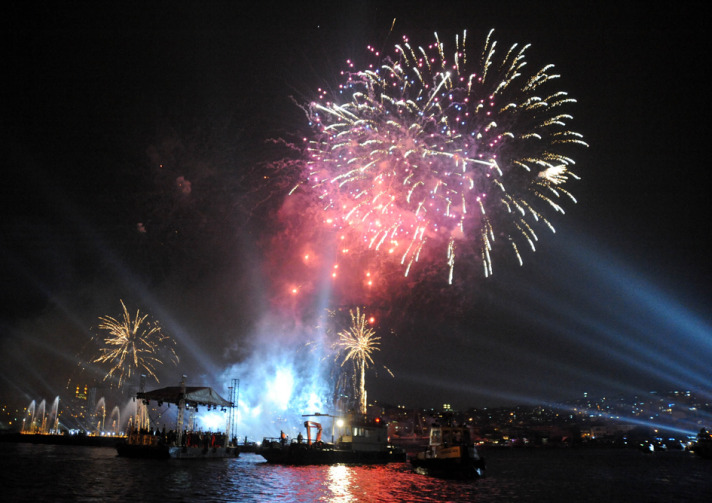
x: 339, y: 483
x: 394, y: 482
x: 66, y: 473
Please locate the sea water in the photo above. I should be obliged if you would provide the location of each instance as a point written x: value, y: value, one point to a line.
x: 71, y: 473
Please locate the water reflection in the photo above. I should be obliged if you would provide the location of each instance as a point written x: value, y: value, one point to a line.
x: 80, y: 474
x: 339, y: 482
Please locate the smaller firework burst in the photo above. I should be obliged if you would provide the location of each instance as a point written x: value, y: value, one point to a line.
x: 357, y: 343
x: 134, y: 346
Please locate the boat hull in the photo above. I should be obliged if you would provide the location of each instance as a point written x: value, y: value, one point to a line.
x: 450, y: 468
x: 303, y: 454
x: 703, y: 449
x: 160, y: 451
x: 203, y: 453
x: 462, y: 462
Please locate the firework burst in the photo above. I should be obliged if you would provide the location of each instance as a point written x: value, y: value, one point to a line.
x: 429, y: 152
x: 356, y: 344
x: 133, y: 346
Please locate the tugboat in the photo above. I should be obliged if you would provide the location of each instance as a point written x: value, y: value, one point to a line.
x: 362, y: 441
x: 450, y: 454
x: 179, y: 444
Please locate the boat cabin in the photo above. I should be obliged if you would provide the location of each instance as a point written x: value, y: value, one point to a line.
x: 449, y: 435
x: 365, y: 435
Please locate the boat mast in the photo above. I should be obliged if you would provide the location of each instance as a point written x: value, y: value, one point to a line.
x: 234, y: 397
x: 181, y: 407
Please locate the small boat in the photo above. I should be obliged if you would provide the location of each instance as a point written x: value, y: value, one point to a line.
x: 361, y: 441
x: 450, y: 454
x: 703, y: 446
x: 180, y: 443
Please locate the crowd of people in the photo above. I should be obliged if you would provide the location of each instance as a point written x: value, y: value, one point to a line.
x: 202, y: 439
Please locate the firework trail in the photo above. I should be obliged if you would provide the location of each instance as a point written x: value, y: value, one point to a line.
x: 356, y: 344
x: 133, y: 346
x: 430, y: 153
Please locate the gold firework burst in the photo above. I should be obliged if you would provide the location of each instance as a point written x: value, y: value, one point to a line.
x: 133, y: 346
x: 358, y: 343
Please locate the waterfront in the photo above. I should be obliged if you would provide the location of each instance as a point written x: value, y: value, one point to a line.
x: 92, y: 474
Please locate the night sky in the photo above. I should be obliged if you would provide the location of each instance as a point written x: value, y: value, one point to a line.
x: 106, y: 107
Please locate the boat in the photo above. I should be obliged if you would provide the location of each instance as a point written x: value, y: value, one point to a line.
x: 361, y: 441
x: 180, y: 443
x: 703, y: 446
x: 450, y: 454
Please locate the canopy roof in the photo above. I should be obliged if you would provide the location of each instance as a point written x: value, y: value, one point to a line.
x: 194, y: 395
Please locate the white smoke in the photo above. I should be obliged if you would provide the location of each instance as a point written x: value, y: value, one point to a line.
x: 285, y: 377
